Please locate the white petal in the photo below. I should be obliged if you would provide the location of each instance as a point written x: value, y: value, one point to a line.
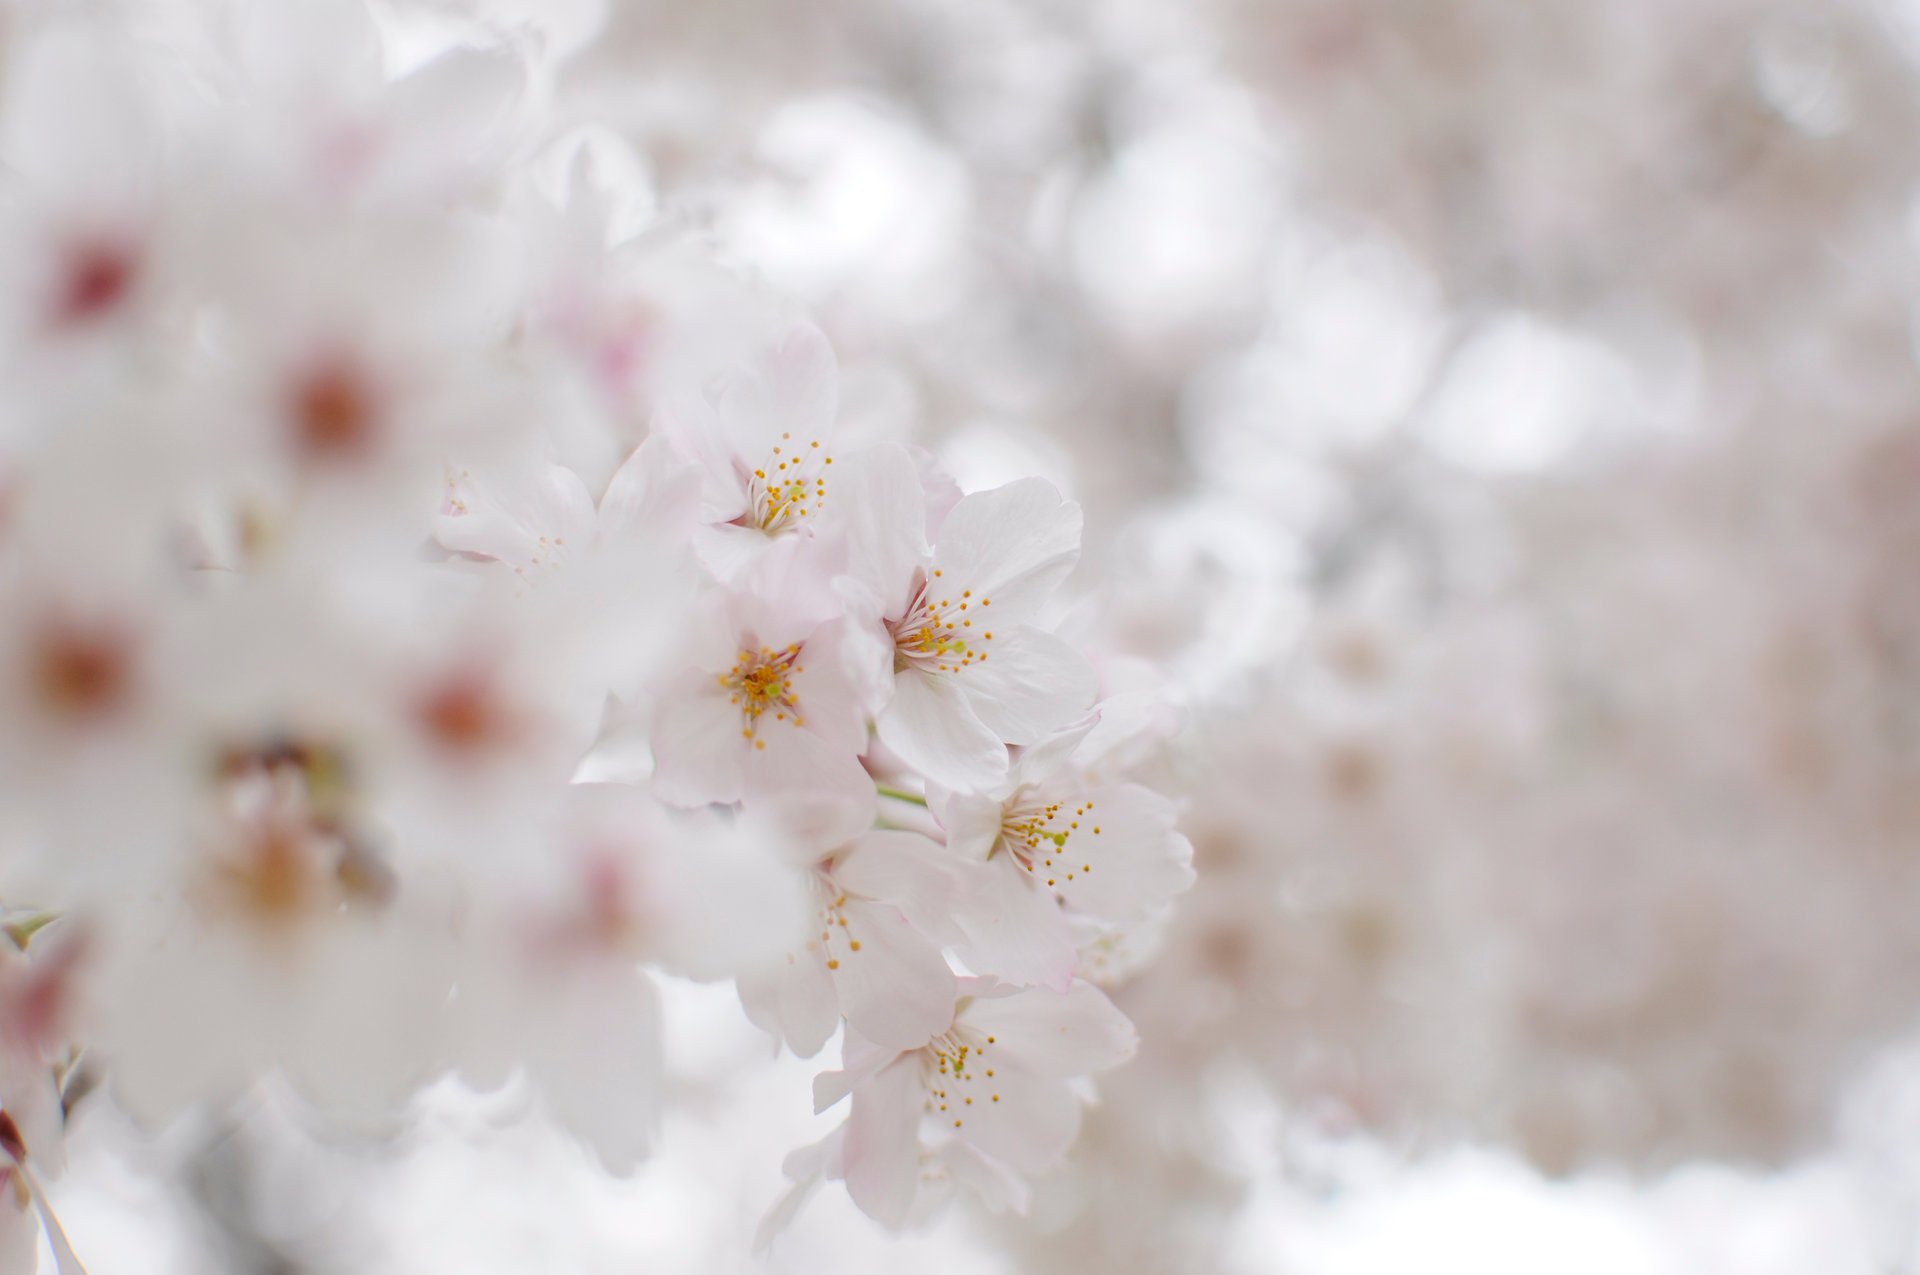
x: 653, y: 492
x: 1015, y: 931
x: 885, y: 520
x: 905, y: 869
x: 821, y: 793
x: 896, y: 989
x: 728, y: 551
x: 1031, y: 1124
x: 598, y: 1062
x: 793, y: 1000
x: 1071, y: 1033
x: 1135, y: 863
x: 882, y: 1146
x: 1034, y: 685
x: 999, y: 1188
x: 931, y: 726
x: 972, y: 823
x: 699, y: 755
x: 523, y: 516
x: 828, y: 692
x: 1011, y: 546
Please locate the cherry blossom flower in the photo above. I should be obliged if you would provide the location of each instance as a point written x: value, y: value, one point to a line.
x: 972, y: 673
x: 1054, y: 842
x: 881, y: 902
x: 760, y: 437
x: 772, y: 708
x: 997, y: 1080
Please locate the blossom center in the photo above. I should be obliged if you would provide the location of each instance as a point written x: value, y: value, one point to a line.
x: 936, y: 635
x: 1039, y: 835
x: 760, y: 683
x: 789, y: 486
x: 954, y: 1068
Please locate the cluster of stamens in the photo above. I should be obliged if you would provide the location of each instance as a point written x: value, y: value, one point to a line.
x: 1036, y: 835
x: 833, y: 921
x: 791, y: 485
x: 761, y: 682
x: 293, y: 849
x: 938, y: 636
x: 949, y: 1060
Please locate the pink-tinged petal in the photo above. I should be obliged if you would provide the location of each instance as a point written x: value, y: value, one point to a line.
x: 895, y: 988
x: 971, y: 822
x: 1133, y: 864
x: 883, y: 1144
x: 860, y: 1061
x: 730, y: 552
x: 1034, y: 685
x: 905, y: 869
x: 793, y: 1000
x: 788, y: 594
x: 1022, y: 1119
x: 999, y: 1188
x: 699, y: 754
x: 1036, y: 763
x: 931, y: 726
x: 1015, y: 931
x: 826, y: 691
x: 688, y: 423
x: 1012, y: 546
x: 1072, y: 1033
x: 600, y: 1033
x: 885, y: 522
x: 822, y: 794
x: 525, y: 517
x: 806, y: 1167
x: 653, y: 493
x: 715, y: 898
x: 792, y: 389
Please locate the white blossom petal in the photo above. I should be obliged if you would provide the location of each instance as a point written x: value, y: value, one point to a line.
x: 932, y: 727
x: 1034, y: 685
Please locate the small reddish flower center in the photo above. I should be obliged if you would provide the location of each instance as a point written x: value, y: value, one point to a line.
x: 334, y: 412
x: 81, y: 673
x: 96, y: 278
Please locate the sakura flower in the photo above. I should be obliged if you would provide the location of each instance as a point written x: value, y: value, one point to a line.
x: 565, y: 996
x: 773, y: 708
x: 1057, y: 839
x: 881, y: 903
x: 972, y: 673
x: 996, y: 1080
x: 759, y: 437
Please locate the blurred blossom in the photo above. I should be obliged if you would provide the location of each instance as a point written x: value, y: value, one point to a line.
x: 499, y: 506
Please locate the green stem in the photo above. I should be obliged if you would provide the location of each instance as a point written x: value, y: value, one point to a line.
x: 22, y: 932
x: 900, y: 794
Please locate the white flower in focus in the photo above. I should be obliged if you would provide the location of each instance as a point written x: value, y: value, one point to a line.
x: 759, y: 437
x: 772, y: 709
x: 1057, y: 841
x: 881, y: 904
x: 997, y: 1079
x: 971, y: 672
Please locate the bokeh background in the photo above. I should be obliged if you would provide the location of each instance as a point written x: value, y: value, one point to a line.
x: 1499, y: 425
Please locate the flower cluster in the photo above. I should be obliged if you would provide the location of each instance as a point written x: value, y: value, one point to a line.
x: 436, y: 597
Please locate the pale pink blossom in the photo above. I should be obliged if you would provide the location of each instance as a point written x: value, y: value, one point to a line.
x: 972, y: 671
x: 881, y: 904
x: 998, y: 1080
x: 772, y: 707
x: 1057, y: 841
